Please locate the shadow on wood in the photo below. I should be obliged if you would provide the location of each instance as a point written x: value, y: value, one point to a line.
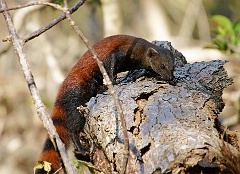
x: 172, y: 129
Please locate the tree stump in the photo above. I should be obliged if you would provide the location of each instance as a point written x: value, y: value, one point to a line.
x: 171, y: 129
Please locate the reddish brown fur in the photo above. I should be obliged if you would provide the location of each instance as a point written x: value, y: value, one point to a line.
x: 52, y: 157
x: 80, y: 75
x: 62, y: 131
x: 86, y: 65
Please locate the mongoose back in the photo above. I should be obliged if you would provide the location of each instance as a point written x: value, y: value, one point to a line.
x: 118, y: 53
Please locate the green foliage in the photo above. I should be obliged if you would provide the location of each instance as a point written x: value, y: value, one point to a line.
x: 90, y: 167
x: 227, y: 34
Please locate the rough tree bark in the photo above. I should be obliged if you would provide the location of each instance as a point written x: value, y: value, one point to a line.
x: 171, y: 128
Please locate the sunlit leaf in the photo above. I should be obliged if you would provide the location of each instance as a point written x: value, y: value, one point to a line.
x: 236, y: 26
x: 91, y: 168
x: 221, y: 45
x: 222, y: 21
x: 221, y: 31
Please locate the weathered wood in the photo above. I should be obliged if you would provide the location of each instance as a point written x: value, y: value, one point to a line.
x: 170, y: 128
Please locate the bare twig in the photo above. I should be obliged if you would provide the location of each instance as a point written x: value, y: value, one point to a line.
x: 50, y: 24
x: 41, y: 109
x: 24, y: 6
x: 53, y: 22
x: 108, y: 82
x: 18, y: 20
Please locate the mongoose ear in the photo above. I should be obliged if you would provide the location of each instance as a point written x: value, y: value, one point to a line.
x: 151, y: 52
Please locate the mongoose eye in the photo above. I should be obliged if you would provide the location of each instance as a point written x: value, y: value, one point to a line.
x: 162, y: 66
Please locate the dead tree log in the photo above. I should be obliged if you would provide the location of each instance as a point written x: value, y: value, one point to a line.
x: 170, y: 128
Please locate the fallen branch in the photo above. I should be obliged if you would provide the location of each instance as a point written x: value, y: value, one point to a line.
x: 172, y: 129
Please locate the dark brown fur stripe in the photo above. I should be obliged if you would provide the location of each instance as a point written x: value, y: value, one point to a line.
x: 48, y: 145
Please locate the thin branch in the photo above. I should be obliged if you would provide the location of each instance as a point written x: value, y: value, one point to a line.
x: 50, y: 24
x: 53, y: 22
x: 107, y: 82
x: 18, y: 20
x: 41, y: 109
x: 24, y: 6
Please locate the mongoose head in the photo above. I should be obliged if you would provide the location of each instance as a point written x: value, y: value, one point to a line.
x: 162, y: 62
